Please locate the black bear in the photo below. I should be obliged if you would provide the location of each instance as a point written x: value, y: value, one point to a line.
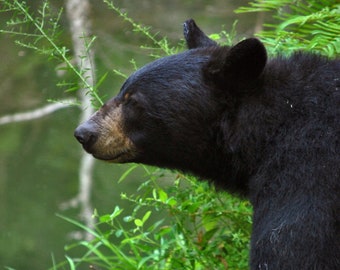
x: 268, y: 130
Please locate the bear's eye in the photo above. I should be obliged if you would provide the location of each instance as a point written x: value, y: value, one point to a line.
x: 128, y: 98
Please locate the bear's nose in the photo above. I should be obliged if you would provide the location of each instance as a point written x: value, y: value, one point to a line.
x: 86, y: 134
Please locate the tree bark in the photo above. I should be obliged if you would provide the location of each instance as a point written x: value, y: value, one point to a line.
x: 80, y: 26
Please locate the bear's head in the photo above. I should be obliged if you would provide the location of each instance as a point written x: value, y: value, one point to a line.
x: 174, y: 112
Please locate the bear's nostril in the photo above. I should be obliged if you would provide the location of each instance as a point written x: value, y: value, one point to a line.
x: 80, y: 137
x: 85, y: 135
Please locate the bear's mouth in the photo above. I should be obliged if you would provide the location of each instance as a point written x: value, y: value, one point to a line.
x: 120, y: 157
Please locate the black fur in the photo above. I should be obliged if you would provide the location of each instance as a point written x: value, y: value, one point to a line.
x: 268, y: 130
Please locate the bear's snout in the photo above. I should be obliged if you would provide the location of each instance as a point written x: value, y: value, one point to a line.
x: 86, y: 135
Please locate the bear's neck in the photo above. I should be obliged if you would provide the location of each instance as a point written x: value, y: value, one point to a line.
x: 232, y: 159
x: 225, y: 171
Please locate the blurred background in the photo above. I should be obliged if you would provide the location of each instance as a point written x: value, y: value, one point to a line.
x: 39, y: 159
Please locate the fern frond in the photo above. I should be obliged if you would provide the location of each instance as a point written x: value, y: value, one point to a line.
x: 305, y: 25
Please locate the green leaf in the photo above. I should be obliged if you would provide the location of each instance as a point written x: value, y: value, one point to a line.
x: 146, y: 216
x: 119, y: 233
x: 208, y: 235
x: 100, y: 81
x: 128, y: 218
x: 215, y: 36
x: 127, y: 172
x: 172, y: 201
x: 105, y: 218
x: 163, y: 196
x: 71, y: 263
x: 138, y: 222
x: 116, y: 212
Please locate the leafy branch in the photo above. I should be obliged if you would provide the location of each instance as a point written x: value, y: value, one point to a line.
x: 45, y: 30
x: 40, y: 32
x: 196, y: 237
x: 305, y: 25
x: 160, y: 44
x: 200, y: 234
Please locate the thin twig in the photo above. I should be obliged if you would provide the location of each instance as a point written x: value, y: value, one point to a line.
x: 36, y: 113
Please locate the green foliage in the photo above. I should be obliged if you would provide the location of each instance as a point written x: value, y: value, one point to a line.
x: 41, y: 33
x: 303, y: 25
x: 161, y: 45
x: 224, y: 37
x: 198, y: 229
x: 185, y: 226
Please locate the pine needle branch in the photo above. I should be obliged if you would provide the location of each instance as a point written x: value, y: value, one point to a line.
x: 162, y: 43
x: 46, y: 30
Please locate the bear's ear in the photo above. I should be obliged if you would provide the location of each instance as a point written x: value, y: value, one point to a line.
x: 239, y: 65
x: 195, y: 37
